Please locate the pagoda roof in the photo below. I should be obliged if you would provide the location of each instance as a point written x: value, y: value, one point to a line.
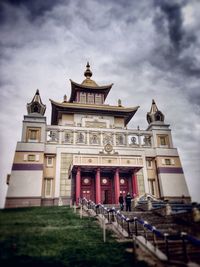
x: 88, y: 85
x: 59, y: 108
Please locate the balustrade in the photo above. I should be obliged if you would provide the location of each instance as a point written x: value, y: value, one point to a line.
x: 99, y: 137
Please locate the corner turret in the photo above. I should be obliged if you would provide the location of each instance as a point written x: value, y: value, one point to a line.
x: 36, y: 106
x: 155, y: 115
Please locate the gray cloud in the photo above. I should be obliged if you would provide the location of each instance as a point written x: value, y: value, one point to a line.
x: 149, y: 49
x: 177, y: 52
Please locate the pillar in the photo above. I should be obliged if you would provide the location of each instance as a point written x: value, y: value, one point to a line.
x: 134, y: 184
x: 117, y: 186
x: 98, y: 186
x: 78, y: 185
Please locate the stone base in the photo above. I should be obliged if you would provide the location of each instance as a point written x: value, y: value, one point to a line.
x: 184, y: 200
x: 55, y: 201
x: 49, y: 202
x: 65, y: 200
x: 18, y: 202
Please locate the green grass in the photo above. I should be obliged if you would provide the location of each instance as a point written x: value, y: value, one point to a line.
x: 55, y: 236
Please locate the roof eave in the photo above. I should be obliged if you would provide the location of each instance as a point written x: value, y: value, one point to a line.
x: 76, y: 86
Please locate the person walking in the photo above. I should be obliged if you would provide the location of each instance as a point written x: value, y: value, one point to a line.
x: 121, y: 201
x: 128, y: 202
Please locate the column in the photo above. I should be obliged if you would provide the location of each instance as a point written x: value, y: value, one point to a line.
x: 98, y: 186
x: 78, y: 185
x: 134, y: 184
x: 60, y: 136
x: 117, y: 186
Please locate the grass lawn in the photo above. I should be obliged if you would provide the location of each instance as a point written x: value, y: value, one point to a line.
x: 55, y: 236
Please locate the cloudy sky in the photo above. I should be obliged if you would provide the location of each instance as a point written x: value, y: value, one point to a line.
x: 148, y: 49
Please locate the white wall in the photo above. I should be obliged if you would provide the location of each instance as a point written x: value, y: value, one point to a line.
x: 173, y: 185
x: 25, y: 184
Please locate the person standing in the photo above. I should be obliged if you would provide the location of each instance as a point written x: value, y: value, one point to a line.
x: 121, y: 201
x: 128, y: 202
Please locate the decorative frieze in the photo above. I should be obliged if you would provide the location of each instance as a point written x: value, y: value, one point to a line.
x: 88, y: 160
x: 83, y: 136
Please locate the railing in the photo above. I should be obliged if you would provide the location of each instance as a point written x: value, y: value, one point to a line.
x: 137, y: 227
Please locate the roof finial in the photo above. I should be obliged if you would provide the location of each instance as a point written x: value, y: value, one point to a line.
x: 64, y: 99
x: 155, y: 115
x: 88, y: 72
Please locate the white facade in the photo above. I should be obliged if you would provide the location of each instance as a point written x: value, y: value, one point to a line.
x: 88, y: 150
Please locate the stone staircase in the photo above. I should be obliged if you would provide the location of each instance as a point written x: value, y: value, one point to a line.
x: 178, y: 249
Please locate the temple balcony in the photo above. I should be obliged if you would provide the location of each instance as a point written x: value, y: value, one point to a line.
x: 84, y: 136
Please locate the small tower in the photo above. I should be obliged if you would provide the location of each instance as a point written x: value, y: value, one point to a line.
x: 36, y: 106
x: 155, y: 115
x: 25, y: 187
x: 166, y: 172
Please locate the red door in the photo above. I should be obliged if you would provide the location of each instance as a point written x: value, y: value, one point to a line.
x: 86, y: 194
x: 106, y: 190
x: 87, y: 187
x: 124, y: 185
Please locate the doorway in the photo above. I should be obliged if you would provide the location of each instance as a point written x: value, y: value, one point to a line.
x: 106, y: 196
x: 106, y: 190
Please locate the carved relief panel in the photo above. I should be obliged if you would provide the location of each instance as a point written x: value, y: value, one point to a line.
x: 108, y: 138
x: 68, y: 137
x: 81, y: 137
x: 52, y: 136
x: 94, y: 138
x: 120, y: 139
x: 133, y: 140
x: 146, y: 140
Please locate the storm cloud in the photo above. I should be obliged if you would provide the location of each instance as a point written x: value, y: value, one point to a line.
x: 148, y: 49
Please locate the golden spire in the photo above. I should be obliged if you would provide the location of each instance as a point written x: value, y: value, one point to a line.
x: 88, y: 72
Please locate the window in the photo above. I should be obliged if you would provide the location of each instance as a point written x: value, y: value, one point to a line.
x: 149, y: 164
x: 49, y: 161
x: 48, y: 187
x: 162, y: 140
x: 36, y: 108
x: 167, y: 162
x: 152, y: 186
x: 33, y: 135
x: 82, y: 97
x: 31, y: 157
x: 90, y: 98
x: 98, y: 98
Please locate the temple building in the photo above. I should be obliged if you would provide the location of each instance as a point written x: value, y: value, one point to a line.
x: 89, y: 151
